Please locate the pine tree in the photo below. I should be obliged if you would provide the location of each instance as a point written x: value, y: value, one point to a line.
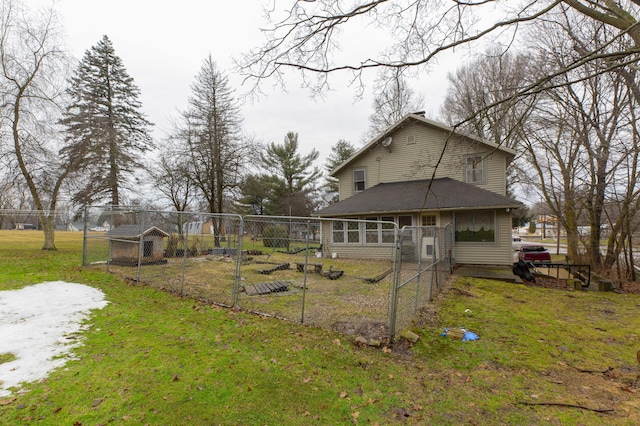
x: 292, y: 177
x: 211, y: 132
x: 106, y: 132
x: 340, y: 152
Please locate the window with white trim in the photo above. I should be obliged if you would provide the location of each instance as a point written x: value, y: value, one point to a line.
x: 337, y: 231
x: 345, y: 231
x: 475, y: 226
x: 388, y: 229
x: 371, y: 232
x: 474, y: 168
x: 429, y: 220
x: 359, y: 180
x: 353, y: 232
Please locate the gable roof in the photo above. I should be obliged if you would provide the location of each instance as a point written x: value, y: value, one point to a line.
x: 134, y: 231
x: 444, y: 194
x: 425, y: 121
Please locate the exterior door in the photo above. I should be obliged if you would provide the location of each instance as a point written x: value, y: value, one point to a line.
x: 429, y: 248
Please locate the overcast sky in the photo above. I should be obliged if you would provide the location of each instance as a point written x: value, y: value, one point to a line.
x: 162, y: 45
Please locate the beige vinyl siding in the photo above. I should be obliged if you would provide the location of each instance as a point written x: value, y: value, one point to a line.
x: 405, y: 161
x: 498, y: 253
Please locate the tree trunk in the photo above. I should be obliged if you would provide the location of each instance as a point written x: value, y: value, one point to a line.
x: 48, y: 227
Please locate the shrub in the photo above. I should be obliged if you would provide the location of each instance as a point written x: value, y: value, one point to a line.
x: 275, y: 236
x: 172, y: 245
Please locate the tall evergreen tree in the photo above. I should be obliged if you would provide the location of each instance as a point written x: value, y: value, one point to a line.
x: 292, y: 176
x: 106, y: 131
x: 210, y: 131
x: 340, y: 152
x: 254, y: 196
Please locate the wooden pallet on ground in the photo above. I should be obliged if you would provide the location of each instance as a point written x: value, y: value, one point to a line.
x: 266, y: 288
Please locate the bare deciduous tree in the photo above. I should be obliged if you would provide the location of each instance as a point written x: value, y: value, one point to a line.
x: 32, y: 82
x: 306, y: 37
x: 391, y: 102
x: 579, y: 138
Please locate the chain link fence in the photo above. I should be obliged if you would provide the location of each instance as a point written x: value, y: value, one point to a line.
x: 424, y: 268
x: 284, y: 267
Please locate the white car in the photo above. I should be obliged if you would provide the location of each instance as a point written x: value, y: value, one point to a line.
x: 98, y: 229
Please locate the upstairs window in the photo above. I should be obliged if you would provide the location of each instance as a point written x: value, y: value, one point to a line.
x: 474, y: 169
x: 359, y: 183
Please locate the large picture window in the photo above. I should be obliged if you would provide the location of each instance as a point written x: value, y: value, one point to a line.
x: 475, y: 226
x: 474, y: 169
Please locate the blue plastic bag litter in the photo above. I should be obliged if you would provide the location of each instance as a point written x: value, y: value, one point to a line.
x: 460, y: 334
x: 469, y: 335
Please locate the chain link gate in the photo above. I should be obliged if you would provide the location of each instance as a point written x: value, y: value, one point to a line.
x: 425, y: 263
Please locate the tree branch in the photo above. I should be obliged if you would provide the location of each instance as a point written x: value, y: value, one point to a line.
x: 561, y: 404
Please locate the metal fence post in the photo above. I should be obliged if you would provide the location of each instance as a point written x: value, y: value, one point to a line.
x: 304, y: 278
x: 419, y: 236
x: 185, y: 247
x: 140, y: 246
x: 236, y: 283
x: 397, y: 265
x: 84, y: 238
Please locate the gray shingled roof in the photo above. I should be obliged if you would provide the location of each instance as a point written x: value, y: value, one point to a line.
x: 134, y: 231
x: 444, y: 194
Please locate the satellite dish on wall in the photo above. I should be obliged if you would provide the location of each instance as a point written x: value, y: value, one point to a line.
x: 386, y: 142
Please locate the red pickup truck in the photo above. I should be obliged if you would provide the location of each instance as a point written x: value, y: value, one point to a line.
x: 534, y: 254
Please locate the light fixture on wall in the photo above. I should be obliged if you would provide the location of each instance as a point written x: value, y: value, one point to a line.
x: 507, y: 209
x: 386, y: 142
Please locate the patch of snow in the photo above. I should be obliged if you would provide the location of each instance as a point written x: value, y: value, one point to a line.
x: 37, y: 326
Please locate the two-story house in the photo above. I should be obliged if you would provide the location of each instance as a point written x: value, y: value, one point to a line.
x: 422, y: 173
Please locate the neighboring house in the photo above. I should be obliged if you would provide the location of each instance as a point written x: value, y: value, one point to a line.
x: 124, y: 241
x: 392, y: 179
x: 23, y: 226
x: 76, y: 226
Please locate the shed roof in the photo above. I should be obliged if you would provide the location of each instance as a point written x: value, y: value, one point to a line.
x: 134, y: 231
x: 419, y: 195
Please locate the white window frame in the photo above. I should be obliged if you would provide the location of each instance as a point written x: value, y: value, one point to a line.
x: 363, y: 181
x: 372, y: 231
x: 387, y: 230
x: 474, y: 165
x: 348, y: 231
x: 433, y: 219
x: 338, y: 229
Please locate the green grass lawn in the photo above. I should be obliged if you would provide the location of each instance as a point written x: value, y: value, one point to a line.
x: 544, y: 357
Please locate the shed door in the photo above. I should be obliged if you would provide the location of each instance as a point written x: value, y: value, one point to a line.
x: 148, y: 249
